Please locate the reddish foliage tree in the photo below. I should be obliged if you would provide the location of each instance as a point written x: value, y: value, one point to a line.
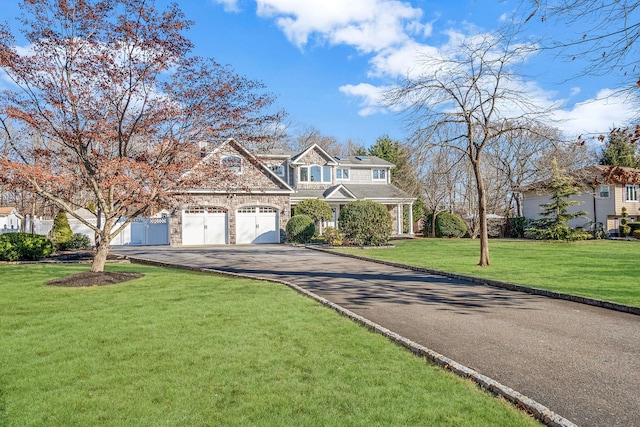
x: 106, y: 101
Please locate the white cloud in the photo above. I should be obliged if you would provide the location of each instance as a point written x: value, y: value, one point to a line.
x: 229, y: 5
x: 367, y: 25
x: 370, y: 96
x: 597, y: 115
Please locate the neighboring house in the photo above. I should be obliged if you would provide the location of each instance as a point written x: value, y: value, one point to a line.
x: 605, y: 190
x: 10, y: 219
x: 256, y: 207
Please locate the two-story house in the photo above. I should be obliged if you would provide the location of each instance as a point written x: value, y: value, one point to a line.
x: 604, y: 191
x: 256, y: 205
x: 338, y: 180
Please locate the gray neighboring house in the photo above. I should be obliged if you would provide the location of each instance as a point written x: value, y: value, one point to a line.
x: 604, y: 191
x: 257, y: 206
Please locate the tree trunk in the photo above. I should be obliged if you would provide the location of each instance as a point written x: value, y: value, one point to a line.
x: 100, y: 258
x: 433, y: 223
x: 482, y: 215
x: 518, y: 199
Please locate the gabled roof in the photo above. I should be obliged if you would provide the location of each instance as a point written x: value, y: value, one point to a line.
x: 377, y: 192
x: 337, y: 191
x: 8, y: 210
x: 330, y: 160
x: 253, y: 160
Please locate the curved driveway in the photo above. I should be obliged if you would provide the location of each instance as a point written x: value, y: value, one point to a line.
x: 580, y: 361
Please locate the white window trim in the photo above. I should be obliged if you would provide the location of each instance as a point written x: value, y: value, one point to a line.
x: 626, y: 193
x: 239, y: 172
x: 386, y: 174
x: 308, y: 168
x: 321, y: 167
x: 608, y: 192
x: 343, y: 178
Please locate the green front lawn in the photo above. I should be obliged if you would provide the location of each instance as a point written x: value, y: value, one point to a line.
x: 602, y: 269
x: 192, y: 349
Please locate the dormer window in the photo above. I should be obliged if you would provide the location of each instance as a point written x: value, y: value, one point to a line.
x: 379, y: 174
x: 233, y: 163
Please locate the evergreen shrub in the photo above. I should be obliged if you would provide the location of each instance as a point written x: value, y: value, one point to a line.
x: 447, y: 225
x: 24, y: 247
x: 300, y: 229
x: 61, y: 233
x: 365, y: 223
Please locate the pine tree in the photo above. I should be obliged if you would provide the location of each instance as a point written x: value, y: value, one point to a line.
x: 619, y: 150
x: 555, y: 216
x: 61, y: 233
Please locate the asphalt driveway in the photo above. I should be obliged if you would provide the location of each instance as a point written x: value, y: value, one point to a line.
x: 580, y: 361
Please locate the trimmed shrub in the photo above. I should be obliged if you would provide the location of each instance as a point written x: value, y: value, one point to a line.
x: 447, y: 225
x: 636, y: 234
x: 24, y: 247
x: 318, y: 210
x: 633, y: 226
x: 332, y: 236
x: 300, y: 229
x: 61, y: 233
x: 365, y: 223
x: 517, y: 225
x: 79, y: 241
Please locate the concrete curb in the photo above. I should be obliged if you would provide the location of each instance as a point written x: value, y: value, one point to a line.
x: 495, y: 283
x: 537, y: 410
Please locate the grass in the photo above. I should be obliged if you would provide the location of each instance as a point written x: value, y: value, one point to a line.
x: 602, y: 269
x: 192, y: 349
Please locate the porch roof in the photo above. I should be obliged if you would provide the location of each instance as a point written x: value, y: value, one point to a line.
x: 349, y: 192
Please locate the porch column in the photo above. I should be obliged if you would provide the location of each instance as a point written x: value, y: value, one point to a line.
x: 399, y: 216
x: 411, y: 219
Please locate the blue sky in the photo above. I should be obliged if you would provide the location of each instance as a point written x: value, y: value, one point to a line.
x: 328, y: 61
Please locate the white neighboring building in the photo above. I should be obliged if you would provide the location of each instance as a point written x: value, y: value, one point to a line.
x: 10, y: 219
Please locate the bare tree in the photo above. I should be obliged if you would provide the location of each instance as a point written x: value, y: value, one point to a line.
x: 476, y: 95
x: 439, y: 177
x: 307, y: 135
x: 515, y: 157
x: 608, y: 31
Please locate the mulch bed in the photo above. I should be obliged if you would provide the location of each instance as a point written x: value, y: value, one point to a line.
x: 88, y: 278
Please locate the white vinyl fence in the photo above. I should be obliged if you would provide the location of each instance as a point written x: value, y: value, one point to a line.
x: 142, y: 231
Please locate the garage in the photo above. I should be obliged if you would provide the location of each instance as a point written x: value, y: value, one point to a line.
x: 204, y: 226
x: 257, y: 224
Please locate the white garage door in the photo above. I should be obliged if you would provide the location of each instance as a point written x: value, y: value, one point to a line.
x: 257, y: 224
x: 204, y: 226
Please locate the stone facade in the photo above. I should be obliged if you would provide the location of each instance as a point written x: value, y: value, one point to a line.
x: 231, y: 204
x: 251, y: 184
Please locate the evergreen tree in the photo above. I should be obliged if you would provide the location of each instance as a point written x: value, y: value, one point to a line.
x: 555, y: 216
x: 61, y: 233
x: 404, y: 175
x: 619, y: 150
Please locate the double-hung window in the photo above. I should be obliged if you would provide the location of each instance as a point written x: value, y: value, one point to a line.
x: 604, y: 192
x: 304, y: 174
x: 631, y: 193
x: 342, y: 174
x: 379, y: 174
